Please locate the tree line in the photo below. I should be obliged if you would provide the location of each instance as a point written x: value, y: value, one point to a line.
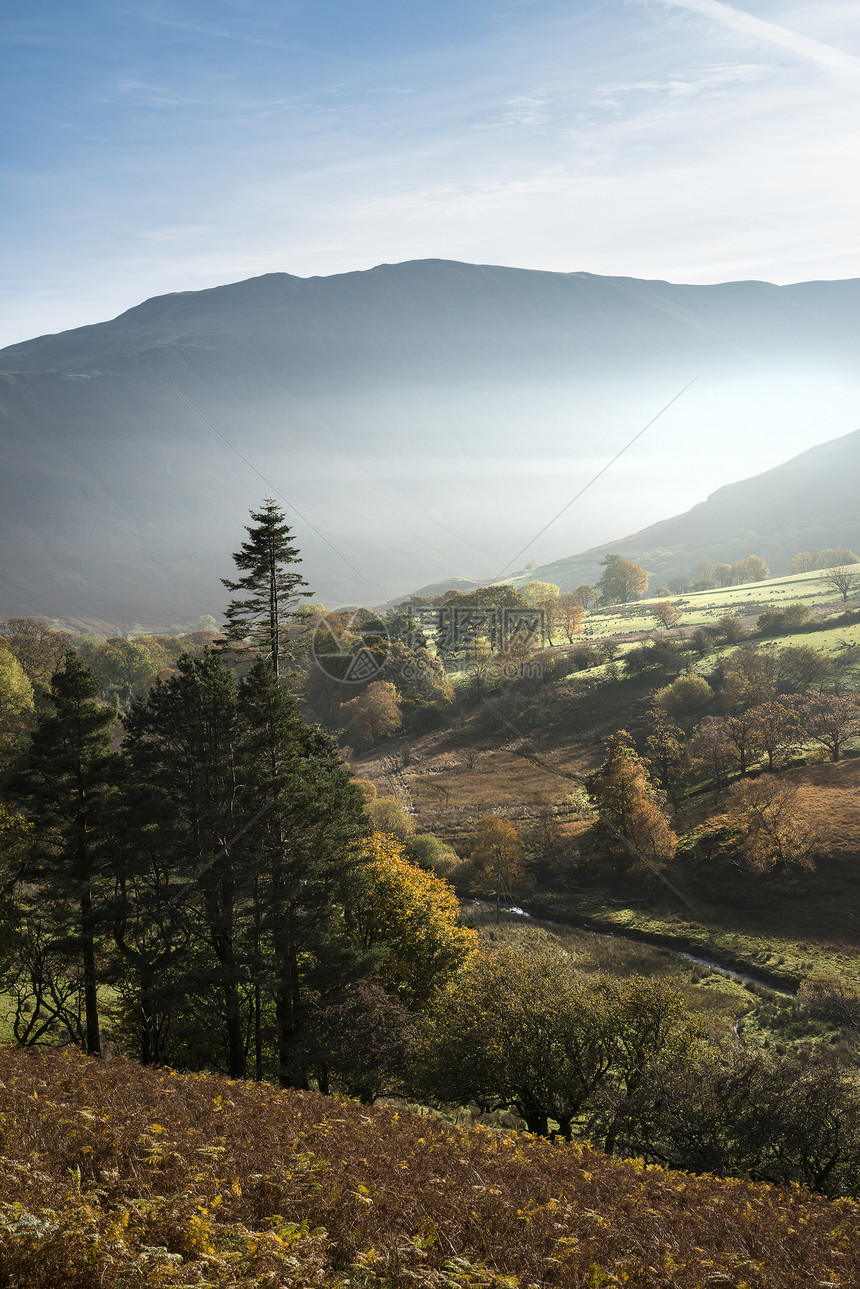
x: 201, y: 871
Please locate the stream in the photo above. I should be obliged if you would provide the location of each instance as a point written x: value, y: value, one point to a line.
x: 744, y: 978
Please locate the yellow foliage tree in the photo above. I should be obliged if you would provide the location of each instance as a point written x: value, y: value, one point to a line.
x: 412, y: 918
x: 497, y: 854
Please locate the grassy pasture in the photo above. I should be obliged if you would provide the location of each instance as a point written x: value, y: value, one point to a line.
x: 703, y: 608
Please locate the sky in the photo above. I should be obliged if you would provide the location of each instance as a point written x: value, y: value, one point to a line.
x: 173, y: 145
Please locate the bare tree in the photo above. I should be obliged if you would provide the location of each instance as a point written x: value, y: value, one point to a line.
x: 844, y: 580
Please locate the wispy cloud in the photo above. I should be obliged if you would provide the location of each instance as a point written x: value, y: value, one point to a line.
x: 687, y: 84
x: 827, y: 57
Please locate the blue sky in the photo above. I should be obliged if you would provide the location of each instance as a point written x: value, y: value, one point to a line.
x: 175, y: 145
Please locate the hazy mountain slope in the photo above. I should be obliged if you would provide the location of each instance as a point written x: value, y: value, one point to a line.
x: 424, y: 418
x: 807, y: 503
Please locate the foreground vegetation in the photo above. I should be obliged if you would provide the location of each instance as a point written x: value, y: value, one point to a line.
x: 196, y: 872
x: 113, y: 1175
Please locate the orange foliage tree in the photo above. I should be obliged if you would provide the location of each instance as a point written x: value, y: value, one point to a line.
x: 629, y: 807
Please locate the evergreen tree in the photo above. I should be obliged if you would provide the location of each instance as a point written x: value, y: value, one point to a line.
x: 269, y: 590
x: 305, y: 857
x: 183, y: 743
x: 67, y: 781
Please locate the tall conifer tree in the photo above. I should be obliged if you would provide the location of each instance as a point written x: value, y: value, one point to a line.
x: 270, y: 589
x: 304, y: 844
x: 67, y: 780
x: 183, y: 742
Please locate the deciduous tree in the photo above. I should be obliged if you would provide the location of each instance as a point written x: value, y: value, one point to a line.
x: 751, y: 569
x: 763, y: 814
x: 844, y: 580
x: 411, y: 918
x: 621, y: 580
x: 497, y: 853
x: 535, y: 593
x: 39, y: 649
x: 667, y: 614
x: 631, y: 822
x: 830, y: 720
x: 16, y: 691
x: 373, y: 714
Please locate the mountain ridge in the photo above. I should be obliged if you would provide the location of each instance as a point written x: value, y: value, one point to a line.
x: 418, y: 421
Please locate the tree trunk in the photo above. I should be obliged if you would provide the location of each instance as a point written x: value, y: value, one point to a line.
x: 91, y: 998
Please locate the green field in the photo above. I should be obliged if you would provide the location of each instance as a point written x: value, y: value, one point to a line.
x: 703, y: 608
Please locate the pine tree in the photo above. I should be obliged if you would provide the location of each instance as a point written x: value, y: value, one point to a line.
x: 305, y: 856
x: 67, y: 780
x: 269, y: 590
x: 183, y: 744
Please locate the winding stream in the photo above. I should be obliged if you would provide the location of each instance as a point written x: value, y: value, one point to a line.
x: 743, y: 977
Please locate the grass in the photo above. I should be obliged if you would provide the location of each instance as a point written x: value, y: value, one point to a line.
x: 703, y: 608
x: 112, y: 1175
x: 761, y: 1018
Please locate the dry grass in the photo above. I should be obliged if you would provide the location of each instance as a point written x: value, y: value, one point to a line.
x: 114, y: 1175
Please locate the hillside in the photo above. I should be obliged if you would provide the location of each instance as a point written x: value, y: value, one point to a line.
x: 111, y: 1175
x: 807, y: 503
x: 421, y: 420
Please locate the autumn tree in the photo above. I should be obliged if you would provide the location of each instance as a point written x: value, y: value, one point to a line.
x: 497, y: 854
x: 519, y: 1028
x: 770, y: 833
x: 391, y: 817
x: 774, y: 622
x: 373, y: 714
x: 631, y: 822
x: 777, y: 730
x: 687, y: 696
x: 748, y: 678
x: 802, y: 562
x: 835, y: 557
x: 801, y: 667
x: 410, y: 918
x: 729, y: 629
x: 586, y: 595
x: 666, y: 755
x: 516, y: 1029
x: 712, y: 750
x: 38, y: 648
x: 744, y: 735
x: 723, y: 574
x: 751, y: 569
x: 564, y: 614
x: 844, y: 580
x: 830, y: 720
x: 270, y: 588
x: 667, y: 614
x: 535, y: 593
x: 16, y: 692
x: 621, y: 580
x: 358, y: 1042
x: 129, y: 666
